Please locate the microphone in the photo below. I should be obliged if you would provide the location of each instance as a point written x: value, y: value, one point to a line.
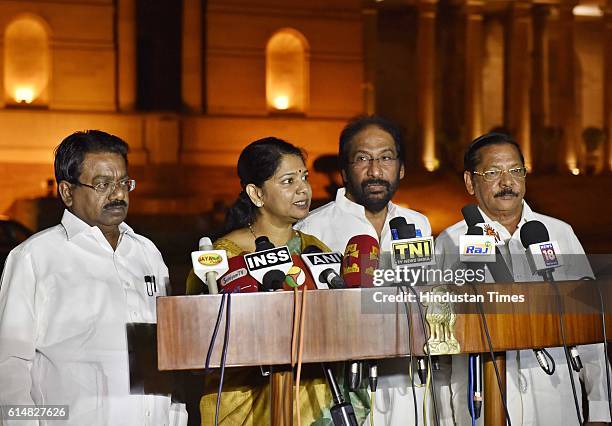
x: 402, y: 231
x: 408, y: 250
x: 498, y: 268
x: 208, y: 264
x: 324, y: 267
x: 342, y: 412
x: 541, y: 252
x: 268, y: 265
x: 358, y: 264
x: 542, y: 257
x: 359, y: 261
x: 476, y: 380
x: 237, y: 278
x: 373, y: 376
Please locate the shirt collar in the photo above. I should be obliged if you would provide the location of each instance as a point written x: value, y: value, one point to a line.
x: 74, y: 226
x: 526, y: 215
x: 355, y: 209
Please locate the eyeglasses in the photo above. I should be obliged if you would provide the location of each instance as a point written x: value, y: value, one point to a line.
x: 494, y: 174
x: 363, y: 161
x: 127, y: 185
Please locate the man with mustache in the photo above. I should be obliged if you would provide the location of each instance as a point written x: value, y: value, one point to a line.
x: 69, y: 293
x: 371, y: 157
x: 495, y: 174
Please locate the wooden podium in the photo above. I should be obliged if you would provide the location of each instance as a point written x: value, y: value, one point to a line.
x: 348, y: 324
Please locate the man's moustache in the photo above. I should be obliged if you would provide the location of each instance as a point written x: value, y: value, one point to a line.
x: 114, y: 204
x: 375, y: 182
x: 506, y: 191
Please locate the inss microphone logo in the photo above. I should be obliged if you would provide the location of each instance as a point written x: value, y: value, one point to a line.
x: 549, y: 255
x: 415, y: 251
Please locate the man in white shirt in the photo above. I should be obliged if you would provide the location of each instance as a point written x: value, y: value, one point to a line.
x: 495, y: 175
x: 69, y: 292
x: 372, y: 163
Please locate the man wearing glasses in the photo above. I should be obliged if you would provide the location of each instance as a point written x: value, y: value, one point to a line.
x: 371, y: 157
x: 69, y: 293
x: 495, y: 174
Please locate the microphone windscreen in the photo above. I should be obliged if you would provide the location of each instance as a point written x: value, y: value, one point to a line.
x: 474, y: 230
x: 237, y: 278
x: 360, y: 260
x: 404, y: 230
x: 533, y: 232
x: 312, y: 249
x: 263, y: 243
x: 471, y: 214
x: 205, y: 244
x: 273, y: 280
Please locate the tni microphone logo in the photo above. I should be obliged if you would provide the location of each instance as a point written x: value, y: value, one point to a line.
x: 414, y: 251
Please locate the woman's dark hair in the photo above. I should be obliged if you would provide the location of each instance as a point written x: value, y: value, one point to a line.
x: 70, y: 153
x: 257, y: 163
x: 471, y: 157
x: 357, y: 124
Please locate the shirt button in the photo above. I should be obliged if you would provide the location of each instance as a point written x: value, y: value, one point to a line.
x: 126, y: 284
x: 148, y: 413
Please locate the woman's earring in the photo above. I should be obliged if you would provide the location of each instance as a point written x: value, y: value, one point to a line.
x: 259, y: 204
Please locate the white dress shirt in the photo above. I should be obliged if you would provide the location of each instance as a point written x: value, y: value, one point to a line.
x: 533, y: 397
x: 337, y: 221
x: 65, y: 299
x: 334, y: 224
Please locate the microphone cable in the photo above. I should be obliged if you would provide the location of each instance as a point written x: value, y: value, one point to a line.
x: 430, y: 364
x: 226, y: 300
x: 565, y: 348
x: 502, y: 392
x: 605, y: 342
x: 410, y: 371
x: 300, y: 348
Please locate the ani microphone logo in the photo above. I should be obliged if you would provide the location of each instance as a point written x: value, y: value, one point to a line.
x: 549, y: 255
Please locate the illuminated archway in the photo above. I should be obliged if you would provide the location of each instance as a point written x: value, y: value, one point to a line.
x: 27, y: 61
x: 287, y: 71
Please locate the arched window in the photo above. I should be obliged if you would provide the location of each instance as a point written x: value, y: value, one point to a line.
x: 27, y: 61
x: 287, y: 71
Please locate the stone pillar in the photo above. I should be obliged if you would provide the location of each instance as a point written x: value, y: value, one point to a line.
x: 607, y: 77
x: 426, y: 57
x: 518, y: 75
x: 540, y: 95
x: 565, y: 74
x: 191, y: 82
x: 370, y: 41
x: 126, y: 54
x: 474, y: 53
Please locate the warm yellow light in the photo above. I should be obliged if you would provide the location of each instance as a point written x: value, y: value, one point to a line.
x: 590, y: 10
x: 24, y: 94
x: 281, y: 102
x: 575, y: 171
x: 432, y: 165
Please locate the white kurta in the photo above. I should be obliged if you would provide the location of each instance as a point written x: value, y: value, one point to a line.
x: 65, y: 300
x: 534, y: 398
x: 334, y: 224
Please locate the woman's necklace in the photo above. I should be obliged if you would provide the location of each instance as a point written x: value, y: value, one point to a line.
x: 295, y: 233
